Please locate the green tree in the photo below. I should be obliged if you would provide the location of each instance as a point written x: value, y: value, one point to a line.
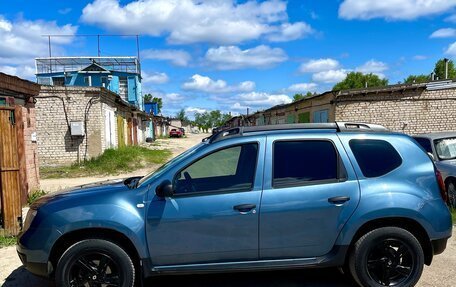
x: 357, y: 80
x: 417, y: 79
x: 439, y: 69
x: 298, y: 97
x: 182, y: 117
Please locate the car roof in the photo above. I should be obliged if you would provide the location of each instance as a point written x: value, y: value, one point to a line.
x: 434, y: 136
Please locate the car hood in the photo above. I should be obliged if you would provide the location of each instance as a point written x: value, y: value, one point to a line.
x: 83, y: 190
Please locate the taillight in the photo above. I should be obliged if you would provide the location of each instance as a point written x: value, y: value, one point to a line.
x: 443, y: 191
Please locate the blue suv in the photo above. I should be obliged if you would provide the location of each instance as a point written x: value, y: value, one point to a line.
x: 344, y: 195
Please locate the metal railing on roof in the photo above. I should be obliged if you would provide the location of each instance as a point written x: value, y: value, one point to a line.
x: 70, y: 64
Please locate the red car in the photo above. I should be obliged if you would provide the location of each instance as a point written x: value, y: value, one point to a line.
x: 175, y: 133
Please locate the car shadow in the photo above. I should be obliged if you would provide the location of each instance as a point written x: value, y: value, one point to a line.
x: 328, y: 277
x: 21, y: 277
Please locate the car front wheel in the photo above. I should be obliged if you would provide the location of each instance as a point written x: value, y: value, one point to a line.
x: 388, y: 256
x: 95, y: 262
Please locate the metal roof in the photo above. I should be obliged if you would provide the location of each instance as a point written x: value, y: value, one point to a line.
x: 438, y: 135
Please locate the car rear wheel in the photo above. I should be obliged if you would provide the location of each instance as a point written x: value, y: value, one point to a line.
x: 451, y: 190
x: 388, y: 256
x: 95, y: 262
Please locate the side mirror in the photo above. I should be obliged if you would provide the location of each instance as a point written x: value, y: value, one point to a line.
x: 164, y: 189
x: 431, y: 156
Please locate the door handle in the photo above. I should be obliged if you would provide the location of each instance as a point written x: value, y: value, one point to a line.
x: 244, y: 207
x: 338, y: 199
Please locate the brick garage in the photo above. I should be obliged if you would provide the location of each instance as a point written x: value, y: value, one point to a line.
x: 19, y: 168
x: 412, y: 109
x: 107, y: 121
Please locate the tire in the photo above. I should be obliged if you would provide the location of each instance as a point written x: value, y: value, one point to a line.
x: 451, y: 191
x: 394, y: 255
x: 95, y: 262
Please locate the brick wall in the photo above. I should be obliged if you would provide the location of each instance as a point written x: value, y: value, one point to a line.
x: 411, y: 111
x: 56, y: 146
x: 31, y: 147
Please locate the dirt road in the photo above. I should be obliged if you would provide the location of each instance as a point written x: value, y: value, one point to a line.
x: 175, y: 145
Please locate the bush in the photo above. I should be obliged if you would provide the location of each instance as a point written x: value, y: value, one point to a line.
x: 34, y: 195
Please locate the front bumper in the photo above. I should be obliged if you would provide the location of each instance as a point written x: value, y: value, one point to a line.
x: 42, y: 269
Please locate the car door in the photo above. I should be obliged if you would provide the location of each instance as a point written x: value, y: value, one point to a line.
x: 310, y: 191
x: 212, y: 216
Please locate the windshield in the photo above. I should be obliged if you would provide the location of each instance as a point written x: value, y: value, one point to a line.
x: 446, y: 148
x: 162, y: 168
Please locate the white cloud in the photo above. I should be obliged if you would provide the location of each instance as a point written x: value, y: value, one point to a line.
x: 331, y: 76
x: 21, y: 41
x: 176, y: 57
x: 444, y: 33
x: 302, y: 87
x: 451, y: 50
x: 193, y: 110
x: 288, y: 32
x: 221, y: 22
x: 26, y: 72
x: 253, y: 100
x: 393, y: 9
x: 319, y: 65
x: 232, y: 57
x: 374, y: 67
x: 154, y: 78
x: 207, y: 85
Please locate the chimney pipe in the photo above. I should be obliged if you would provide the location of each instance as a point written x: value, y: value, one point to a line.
x: 446, y: 68
x: 433, y: 76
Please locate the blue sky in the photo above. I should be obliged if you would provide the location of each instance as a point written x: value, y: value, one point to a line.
x: 229, y: 55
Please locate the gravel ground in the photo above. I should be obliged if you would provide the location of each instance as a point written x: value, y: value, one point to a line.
x: 440, y: 274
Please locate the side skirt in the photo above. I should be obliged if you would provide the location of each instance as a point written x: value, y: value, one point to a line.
x: 335, y: 258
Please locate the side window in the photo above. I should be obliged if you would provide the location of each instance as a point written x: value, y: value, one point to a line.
x: 375, y: 157
x: 425, y: 143
x: 300, y: 162
x: 229, y: 169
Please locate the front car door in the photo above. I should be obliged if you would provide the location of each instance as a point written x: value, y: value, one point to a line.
x: 310, y: 191
x: 212, y: 216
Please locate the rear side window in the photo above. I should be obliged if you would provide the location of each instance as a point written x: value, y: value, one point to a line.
x: 425, y: 143
x: 300, y: 162
x: 375, y: 157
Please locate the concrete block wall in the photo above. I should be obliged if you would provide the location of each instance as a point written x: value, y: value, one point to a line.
x: 412, y: 111
x: 31, y: 147
x: 56, y: 146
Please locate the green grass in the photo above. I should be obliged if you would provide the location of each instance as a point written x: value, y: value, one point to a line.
x: 112, y: 161
x: 453, y: 215
x: 6, y: 241
x: 34, y: 195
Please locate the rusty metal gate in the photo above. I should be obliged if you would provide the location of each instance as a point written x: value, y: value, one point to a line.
x: 10, y: 189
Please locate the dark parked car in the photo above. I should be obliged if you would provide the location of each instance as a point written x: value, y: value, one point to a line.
x: 252, y: 198
x: 442, y: 148
x: 177, y: 133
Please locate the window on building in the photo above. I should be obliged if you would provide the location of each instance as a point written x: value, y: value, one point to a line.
x: 104, y: 82
x: 230, y: 169
x: 88, y: 80
x: 44, y: 81
x: 302, y: 162
x: 123, y: 87
x: 58, y: 81
x: 304, y: 117
x: 375, y: 157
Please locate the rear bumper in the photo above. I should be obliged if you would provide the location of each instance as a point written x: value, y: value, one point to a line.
x: 439, y: 245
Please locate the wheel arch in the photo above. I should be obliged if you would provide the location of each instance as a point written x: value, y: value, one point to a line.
x: 70, y: 238
x: 408, y: 224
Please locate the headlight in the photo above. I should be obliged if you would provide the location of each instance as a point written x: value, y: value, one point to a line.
x: 29, y: 218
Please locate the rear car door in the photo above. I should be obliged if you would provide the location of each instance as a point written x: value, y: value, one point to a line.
x: 213, y: 215
x: 310, y: 191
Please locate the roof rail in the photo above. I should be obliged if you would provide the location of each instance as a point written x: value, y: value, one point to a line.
x: 337, y: 126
